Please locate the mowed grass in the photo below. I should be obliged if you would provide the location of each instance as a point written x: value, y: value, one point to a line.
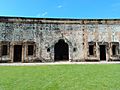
x: 60, y: 77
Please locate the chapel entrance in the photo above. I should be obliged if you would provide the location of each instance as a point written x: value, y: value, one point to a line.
x: 61, y: 51
x: 17, y: 53
x: 102, y: 52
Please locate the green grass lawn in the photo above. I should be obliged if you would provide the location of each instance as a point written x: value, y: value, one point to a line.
x: 60, y: 77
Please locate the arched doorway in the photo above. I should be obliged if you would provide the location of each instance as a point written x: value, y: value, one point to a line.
x: 61, y: 51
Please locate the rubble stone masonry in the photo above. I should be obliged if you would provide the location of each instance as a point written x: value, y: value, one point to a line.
x: 56, y: 39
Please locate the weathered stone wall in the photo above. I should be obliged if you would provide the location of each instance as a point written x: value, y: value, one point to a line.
x: 45, y: 33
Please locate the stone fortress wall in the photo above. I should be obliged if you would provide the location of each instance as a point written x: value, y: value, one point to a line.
x: 55, y: 39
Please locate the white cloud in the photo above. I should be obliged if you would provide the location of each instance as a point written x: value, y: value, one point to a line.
x: 38, y: 15
x: 42, y: 14
x: 59, y: 6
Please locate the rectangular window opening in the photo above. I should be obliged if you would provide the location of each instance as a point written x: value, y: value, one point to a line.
x: 30, y: 49
x: 91, y: 49
x: 4, y: 50
x: 114, y: 50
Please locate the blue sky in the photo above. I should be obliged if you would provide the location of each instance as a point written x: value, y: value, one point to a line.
x: 61, y: 8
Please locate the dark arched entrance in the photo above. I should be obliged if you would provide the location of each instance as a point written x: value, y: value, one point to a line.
x: 61, y: 51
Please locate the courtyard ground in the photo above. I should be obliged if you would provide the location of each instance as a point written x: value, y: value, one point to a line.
x: 60, y: 77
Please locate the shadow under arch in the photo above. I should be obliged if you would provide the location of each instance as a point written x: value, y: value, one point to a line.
x: 61, y: 51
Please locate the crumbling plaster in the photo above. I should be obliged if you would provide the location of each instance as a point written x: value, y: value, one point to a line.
x: 45, y: 33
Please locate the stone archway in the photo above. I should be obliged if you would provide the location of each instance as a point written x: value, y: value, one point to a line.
x: 61, y: 51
